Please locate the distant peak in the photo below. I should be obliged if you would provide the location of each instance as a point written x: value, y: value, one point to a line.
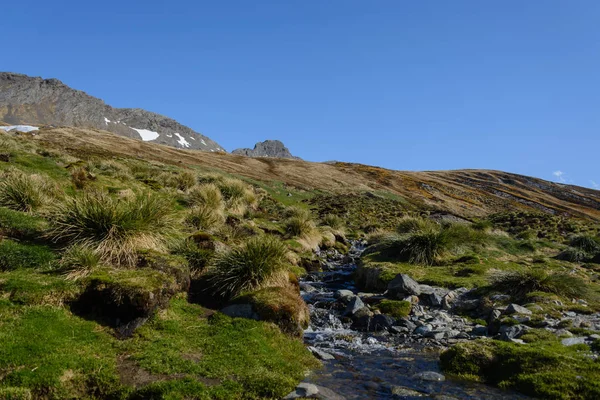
x: 268, y: 148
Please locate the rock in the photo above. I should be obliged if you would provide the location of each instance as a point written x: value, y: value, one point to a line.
x: 305, y: 287
x: 448, y: 300
x: 401, y: 286
x: 563, y: 332
x: 423, y: 330
x: 570, y: 314
x: 320, y: 354
x: 309, y: 391
x: 517, y: 309
x: 494, y: 315
x: 437, y: 335
x: 479, y: 330
x: 343, y: 294
x: 240, y: 311
x: 573, y: 341
x: 406, y: 324
x: 355, y: 304
x: 467, y: 304
x: 430, y: 376
x: 402, y: 392
x: 508, y: 332
x: 381, y: 322
x: 500, y: 297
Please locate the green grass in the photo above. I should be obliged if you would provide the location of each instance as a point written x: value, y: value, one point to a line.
x: 251, y: 359
x: 544, y: 369
x: 206, y: 218
x: 29, y: 287
x: 21, y: 225
x: 248, y: 266
x: 15, y: 255
x: 56, y: 355
x: 298, y: 226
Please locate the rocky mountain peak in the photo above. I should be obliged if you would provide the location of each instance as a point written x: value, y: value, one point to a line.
x: 26, y: 100
x: 268, y: 148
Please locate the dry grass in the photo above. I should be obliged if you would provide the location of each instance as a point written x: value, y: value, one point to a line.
x: 470, y: 193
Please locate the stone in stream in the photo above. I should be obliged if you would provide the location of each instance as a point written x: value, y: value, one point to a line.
x: 401, y: 391
x: 343, y: 294
x: 320, y: 354
x: 354, y: 306
x: 430, y: 376
x: 305, y: 287
x: 309, y: 391
x: 517, y: 309
x: 401, y: 286
x: 422, y: 330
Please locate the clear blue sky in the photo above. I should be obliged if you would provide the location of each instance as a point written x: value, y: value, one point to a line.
x: 408, y: 85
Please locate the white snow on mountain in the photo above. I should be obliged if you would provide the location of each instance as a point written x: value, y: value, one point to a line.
x: 182, y: 141
x: 146, y: 134
x: 20, y: 128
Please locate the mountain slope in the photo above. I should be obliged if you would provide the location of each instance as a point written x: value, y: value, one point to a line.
x: 466, y: 193
x: 37, y: 101
x: 268, y: 148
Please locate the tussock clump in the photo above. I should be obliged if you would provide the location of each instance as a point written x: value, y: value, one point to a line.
x: 22, y: 192
x: 573, y: 254
x: 239, y: 197
x: 520, y: 283
x: 204, y: 217
x: 257, y: 263
x: 81, y: 177
x: 586, y: 243
x: 299, y: 226
x: 333, y: 221
x: 294, y: 211
x: 415, y: 224
x: 115, y: 229
x: 178, y: 180
x: 78, y: 262
x: 208, y: 195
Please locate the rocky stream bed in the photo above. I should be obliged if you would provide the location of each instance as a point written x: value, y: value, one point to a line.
x: 369, y: 355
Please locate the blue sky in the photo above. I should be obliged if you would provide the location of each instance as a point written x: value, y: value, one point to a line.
x: 408, y: 85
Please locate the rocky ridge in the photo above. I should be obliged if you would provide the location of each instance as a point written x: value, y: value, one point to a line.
x: 268, y: 148
x: 37, y: 101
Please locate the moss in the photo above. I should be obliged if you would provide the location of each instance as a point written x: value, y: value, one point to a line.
x: 280, y: 305
x: 544, y: 369
x: 15, y: 255
x: 20, y: 225
x: 34, y: 288
x: 55, y: 355
x: 537, y: 335
x: 243, y: 358
x: 395, y: 308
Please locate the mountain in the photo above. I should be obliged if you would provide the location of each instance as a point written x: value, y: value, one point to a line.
x: 268, y: 148
x: 36, y: 101
x: 464, y: 193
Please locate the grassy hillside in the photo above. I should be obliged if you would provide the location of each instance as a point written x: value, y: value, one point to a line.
x: 116, y: 254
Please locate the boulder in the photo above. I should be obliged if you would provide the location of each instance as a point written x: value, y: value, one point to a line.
x: 306, y: 390
x: 240, y: 311
x: 517, y: 309
x: 401, y: 286
x: 354, y: 306
x: 430, y: 376
x: 573, y: 341
x: 508, y: 332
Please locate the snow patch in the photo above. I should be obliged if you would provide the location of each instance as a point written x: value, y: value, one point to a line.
x: 20, y: 128
x: 193, y: 138
x: 181, y: 141
x: 146, y: 134
x: 203, y: 142
x: 169, y: 135
x: 106, y: 120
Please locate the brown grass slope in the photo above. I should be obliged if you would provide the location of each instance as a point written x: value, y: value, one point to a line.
x: 468, y: 193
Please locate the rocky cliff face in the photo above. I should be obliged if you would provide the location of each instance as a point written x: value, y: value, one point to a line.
x: 37, y: 101
x: 268, y: 148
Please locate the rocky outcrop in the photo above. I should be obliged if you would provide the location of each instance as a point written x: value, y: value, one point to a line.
x: 268, y: 148
x: 36, y: 101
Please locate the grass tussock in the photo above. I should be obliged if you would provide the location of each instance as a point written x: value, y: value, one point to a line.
x: 333, y: 221
x: 206, y: 218
x: 521, y: 283
x: 254, y: 264
x: 78, y: 262
x: 22, y: 192
x: 208, y: 195
x: 114, y: 228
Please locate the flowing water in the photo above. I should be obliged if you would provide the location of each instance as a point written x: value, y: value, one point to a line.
x: 374, y: 365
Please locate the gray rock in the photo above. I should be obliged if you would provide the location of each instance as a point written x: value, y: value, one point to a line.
x: 500, y: 297
x: 240, y: 311
x: 342, y: 294
x: 305, y: 287
x: 508, y: 332
x: 354, y: 306
x: 401, y: 391
x: 494, y: 315
x: 320, y: 354
x: 437, y: 335
x: 403, y: 285
x: 573, y: 341
x: 563, y: 332
x: 479, y: 330
x: 268, y: 148
x: 430, y: 376
x: 517, y: 309
x: 422, y: 330
x: 310, y: 391
x: 571, y: 314
x: 37, y: 101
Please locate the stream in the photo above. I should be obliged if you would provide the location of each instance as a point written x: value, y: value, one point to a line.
x: 373, y: 365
